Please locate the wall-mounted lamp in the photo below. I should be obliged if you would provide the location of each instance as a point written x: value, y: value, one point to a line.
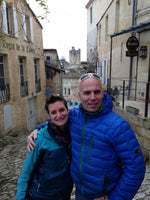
x: 143, y: 51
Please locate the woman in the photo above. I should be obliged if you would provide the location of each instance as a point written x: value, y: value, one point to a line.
x: 46, y: 171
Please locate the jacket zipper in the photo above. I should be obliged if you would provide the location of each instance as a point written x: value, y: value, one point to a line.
x: 81, y: 163
x: 91, y: 145
x: 103, y: 183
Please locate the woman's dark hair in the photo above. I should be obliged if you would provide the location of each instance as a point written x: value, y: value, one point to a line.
x: 54, y: 98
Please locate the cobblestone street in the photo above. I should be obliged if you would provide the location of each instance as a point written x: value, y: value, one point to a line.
x: 13, y: 151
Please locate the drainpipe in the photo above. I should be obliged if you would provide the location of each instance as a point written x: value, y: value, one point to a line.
x: 131, y: 59
x: 147, y: 91
x: 109, y: 86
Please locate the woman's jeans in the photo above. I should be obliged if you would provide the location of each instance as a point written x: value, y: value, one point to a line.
x: 63, y: 198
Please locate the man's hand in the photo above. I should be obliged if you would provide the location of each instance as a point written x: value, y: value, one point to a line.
x: 30, y: 138
x: 102, y: 198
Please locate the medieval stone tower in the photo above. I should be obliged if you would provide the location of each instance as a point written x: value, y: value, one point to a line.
x: 74, y: 56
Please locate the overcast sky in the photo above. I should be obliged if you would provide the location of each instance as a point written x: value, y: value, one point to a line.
x: 67, y: 26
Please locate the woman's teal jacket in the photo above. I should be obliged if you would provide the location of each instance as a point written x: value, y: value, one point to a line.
x: 100, y: 143
x: 46, y: 171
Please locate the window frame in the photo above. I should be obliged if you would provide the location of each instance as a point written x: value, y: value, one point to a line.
x: 2, y: 77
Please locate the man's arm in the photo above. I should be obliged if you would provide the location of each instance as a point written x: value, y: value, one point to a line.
x: 129, y: 152
x: 30, y: 143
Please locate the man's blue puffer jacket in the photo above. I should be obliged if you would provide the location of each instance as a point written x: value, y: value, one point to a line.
x: 100, y: 141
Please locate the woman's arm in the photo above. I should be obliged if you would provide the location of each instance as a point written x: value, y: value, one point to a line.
x: 27, y: 169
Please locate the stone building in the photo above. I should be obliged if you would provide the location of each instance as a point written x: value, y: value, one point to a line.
x: 22, y: 70
x: 53, y: 72
x: 92, y: 19
x: 123, y: 56
x: 70, y: 86
x: 74, y: 56
x: 116, y: 21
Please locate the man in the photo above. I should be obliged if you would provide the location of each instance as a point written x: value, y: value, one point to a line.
x: 107, y: 162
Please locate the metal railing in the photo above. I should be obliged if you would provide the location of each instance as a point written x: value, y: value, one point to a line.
x: 24, y: 88
x: 139, y: 91
x: 4, y: 93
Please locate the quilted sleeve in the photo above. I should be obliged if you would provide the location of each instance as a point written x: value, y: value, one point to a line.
x: 42, y: 125
x: 28, y: 166
x: 129, y: 152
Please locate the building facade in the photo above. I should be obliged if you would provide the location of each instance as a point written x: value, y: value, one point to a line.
x: 123, y: 59
x: 22, y: 70
x: 53, y: 72
x: 93, y: 12
x: 116, y: 64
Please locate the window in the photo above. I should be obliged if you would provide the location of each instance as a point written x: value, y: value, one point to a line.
x: 8, y: 11
x: 47, y: 59
x: 91, y: 55
x: 117, y: 15
x: 9, y: 20
x: 68, y: 91
x: 104, y: 72
x: 21, y: 64
x: 99, y: 35
x: 106, y: 28
x: 91, y: 17
x: 23, y: 83
x: 37, y: 80
x: 36, y: 70
x: 65, y: 91
x: 27, y: 27
x: 2, y: 76
x: 4, y: 88
x: 129, y: 2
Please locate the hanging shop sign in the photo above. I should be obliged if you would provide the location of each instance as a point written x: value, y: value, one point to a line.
x: 132, y: 44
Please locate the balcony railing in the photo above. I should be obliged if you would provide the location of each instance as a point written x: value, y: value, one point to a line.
x: 24, y: 88
x: 38, y: 85
x: 4, y: 93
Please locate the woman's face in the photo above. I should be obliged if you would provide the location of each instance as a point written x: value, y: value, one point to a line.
x: 58, y: 114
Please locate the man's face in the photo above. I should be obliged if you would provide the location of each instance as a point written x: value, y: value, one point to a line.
x: 58, y: 114
x: 91, y: 94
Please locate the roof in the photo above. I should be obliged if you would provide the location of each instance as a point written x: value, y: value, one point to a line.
x: 89, y: 3
x: 137, y: 28
x: 49, y: 50
x: 53, y: 66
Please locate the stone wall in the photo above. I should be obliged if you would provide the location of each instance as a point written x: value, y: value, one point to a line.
x: 141, y: 127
